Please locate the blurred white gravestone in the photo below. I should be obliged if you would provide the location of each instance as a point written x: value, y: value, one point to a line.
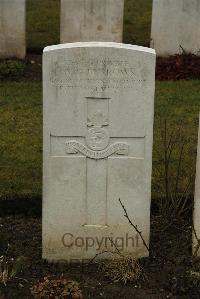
x: 12, y: 29
x: 197, y: 199
x: 175, y: 27
x: 91, y: 20
x: 98, y: 133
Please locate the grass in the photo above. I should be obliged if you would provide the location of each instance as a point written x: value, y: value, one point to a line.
x: 21, y: 132
x: 137, y: 22
x: 21, y: 104
x: 21, y: 139
x: 43, y: 23
x: 178, y: 103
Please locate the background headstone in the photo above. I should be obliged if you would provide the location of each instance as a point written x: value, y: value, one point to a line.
x: 91, y: 20
x: 175, y: 27
x: 197, y: 197
x: 12, y: 29
x: 98, y: 133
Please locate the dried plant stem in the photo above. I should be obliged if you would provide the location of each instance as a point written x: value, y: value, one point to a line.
x: 166, y: 161
x: 198, y: 242
x: 134, y: 226
x: 179, y: 168
x: 107, y: 251
x: 96, y: 255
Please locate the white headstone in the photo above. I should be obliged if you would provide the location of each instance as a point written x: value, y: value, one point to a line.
x: 12, y: 29
x: 175, y: 27
x: 197, y: 198
x: 91, y: 20
x: 98, y: 128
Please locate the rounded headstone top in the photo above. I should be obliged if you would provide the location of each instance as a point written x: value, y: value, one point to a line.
x: 99, y: 44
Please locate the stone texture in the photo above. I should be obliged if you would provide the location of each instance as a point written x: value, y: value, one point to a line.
x: 12, y: 28
x: 197, y: 197
x: 175, y: 25
x: 91, y: 20
x: 98, y: 133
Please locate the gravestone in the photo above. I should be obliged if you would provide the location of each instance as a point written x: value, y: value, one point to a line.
x: 91, y: 20
x: 175, y: 27
x: 12, y: 29
x: 98, y: 128
x: 197, y: 199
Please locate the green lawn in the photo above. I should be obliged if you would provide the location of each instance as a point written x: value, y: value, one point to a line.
x: 21, y: 132
x: 43, y: 22
x: 178, y: 103
x: 21, y: 139
x: 137, y: 22
x: 21, y: 107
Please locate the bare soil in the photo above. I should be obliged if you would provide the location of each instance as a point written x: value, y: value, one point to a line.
x: 177, y: 67
x: 166, y: 268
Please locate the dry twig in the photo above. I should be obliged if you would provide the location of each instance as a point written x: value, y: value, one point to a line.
x: 134, y: 226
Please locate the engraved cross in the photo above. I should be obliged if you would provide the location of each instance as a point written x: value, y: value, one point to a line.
x: 97, y: 148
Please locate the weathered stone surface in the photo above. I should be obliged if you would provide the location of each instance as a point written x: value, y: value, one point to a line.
x: 12, y: 28
x: 175, y: 27
x: 197, y: 199
x: 91, y: 20
x: 98, y: 128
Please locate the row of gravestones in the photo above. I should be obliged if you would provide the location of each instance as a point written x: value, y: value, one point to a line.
x: 175, y: 24
x: 98, y: 135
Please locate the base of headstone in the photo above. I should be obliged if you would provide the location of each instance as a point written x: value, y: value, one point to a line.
x: 175, y: 27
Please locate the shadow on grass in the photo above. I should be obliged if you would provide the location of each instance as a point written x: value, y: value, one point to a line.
x: 21, y: 205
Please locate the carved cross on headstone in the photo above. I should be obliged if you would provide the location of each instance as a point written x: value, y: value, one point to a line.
x: 98, y: 148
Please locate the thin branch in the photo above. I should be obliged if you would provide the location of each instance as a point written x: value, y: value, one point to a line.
x: 187, y: 194
x: 107, y: 251
x: 134, y: 226
x: 198, y: 242
x: 166, y: 162
x: 170, y: 141
x: 179, y: 168
x: 96, y: 255
x: 118, y: 251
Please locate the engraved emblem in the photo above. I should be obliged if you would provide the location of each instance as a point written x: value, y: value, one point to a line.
x: 74, y: 147
x: 97, y: 138
x: 97, y: 119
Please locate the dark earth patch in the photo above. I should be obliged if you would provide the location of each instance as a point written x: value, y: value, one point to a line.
x: 167, y: 269
x: 177, y: 67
